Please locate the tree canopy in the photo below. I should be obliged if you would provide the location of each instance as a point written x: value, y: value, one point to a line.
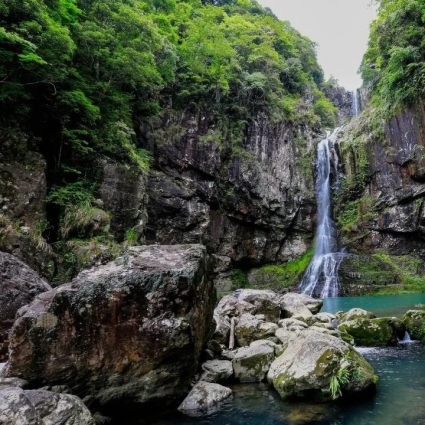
x: 78, y: 74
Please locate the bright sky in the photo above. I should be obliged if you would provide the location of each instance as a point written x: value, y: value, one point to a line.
x: 339, y: 27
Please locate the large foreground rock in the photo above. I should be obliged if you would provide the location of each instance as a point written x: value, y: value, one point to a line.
x: 312, y: 360
x: 204, y: 398
x: 128, y: 332
x: 39, y: 407
x: 19, y: 285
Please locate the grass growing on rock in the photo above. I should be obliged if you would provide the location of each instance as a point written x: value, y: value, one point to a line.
x: 409, y: 271
x: 278, y: 277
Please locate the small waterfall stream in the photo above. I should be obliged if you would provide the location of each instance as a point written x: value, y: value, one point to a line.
x: 355, y: 105
x: 321, y: 276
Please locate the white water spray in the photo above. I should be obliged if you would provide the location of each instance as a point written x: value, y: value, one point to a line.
x: 321, y: 277
x: 355, y: 103
x: 406, y: 339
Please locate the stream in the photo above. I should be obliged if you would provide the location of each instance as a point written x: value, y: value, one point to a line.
x: 400, y: 398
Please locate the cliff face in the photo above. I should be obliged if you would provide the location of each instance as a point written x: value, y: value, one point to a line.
x: 343, y: 100
x: 380, y: 208
x: 249, y: 205
x: 250, y: 202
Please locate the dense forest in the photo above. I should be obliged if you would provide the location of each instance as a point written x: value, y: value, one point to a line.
x: 393, y: 66
x: 80, y: 76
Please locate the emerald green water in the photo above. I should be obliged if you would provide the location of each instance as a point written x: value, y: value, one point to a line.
x: 400, y: 398
x: 381, y: 305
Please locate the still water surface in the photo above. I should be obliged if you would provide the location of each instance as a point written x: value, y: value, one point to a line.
x: 400, y: 399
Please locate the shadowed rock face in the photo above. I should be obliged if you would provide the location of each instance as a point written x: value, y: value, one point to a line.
x: 123, y: 193
x: 250, y: 206
x: 395, y: 183
x: 19, y: 285
x: 128, y: 332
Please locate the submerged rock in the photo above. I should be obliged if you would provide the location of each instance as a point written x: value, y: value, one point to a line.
x: 312, y: 360
x: 251, y: 364
x: 19, y: 407
x: 128, y: 332
x: 19, y: 285
x: 204, y: 398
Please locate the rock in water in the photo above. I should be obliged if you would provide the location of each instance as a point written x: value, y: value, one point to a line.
x: 19, y: 285
x: 204, y: 398
x: 19, y: 407
x: 356, y: 313
x: 414, y: 321
x: 314, y: 360
x: 379, y: 332
x: 128, y: 332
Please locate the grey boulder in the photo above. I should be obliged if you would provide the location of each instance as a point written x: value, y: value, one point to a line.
x: 39, y: 407
x: 217, y: 371
x: 204, y: 398
x: 251, y: 364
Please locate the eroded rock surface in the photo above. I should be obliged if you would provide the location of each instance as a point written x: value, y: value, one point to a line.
x: 127, y: 332
x: 19, y: 285
x: 39, y: 407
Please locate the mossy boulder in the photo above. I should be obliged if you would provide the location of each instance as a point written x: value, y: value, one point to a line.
x: 414, y: 321
x: 312, y: 360
x: 355, y: 313
x: 251, y: 364
x: 371, y: 332
x: 250, y: 328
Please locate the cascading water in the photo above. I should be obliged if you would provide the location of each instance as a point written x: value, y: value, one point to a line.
x: 321, y: 277
x: 355, y: 105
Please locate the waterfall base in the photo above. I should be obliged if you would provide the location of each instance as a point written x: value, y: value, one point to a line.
x: 321, y: 277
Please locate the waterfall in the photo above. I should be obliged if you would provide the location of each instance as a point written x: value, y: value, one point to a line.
x: 355, y: 105
x: 406, y: 339
x: 321, y: 276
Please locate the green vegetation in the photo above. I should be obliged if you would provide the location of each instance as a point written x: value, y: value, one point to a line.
x: 344, y: 376
x: 82, y: 77
x: 239, y: 279
x: 393, y: 66
x: 409, y: 270
x: 278, y: 277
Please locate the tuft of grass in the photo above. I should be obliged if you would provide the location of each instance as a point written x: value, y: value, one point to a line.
x: 83, y: 218
x: 131, y: 238
x: 239, y: 279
